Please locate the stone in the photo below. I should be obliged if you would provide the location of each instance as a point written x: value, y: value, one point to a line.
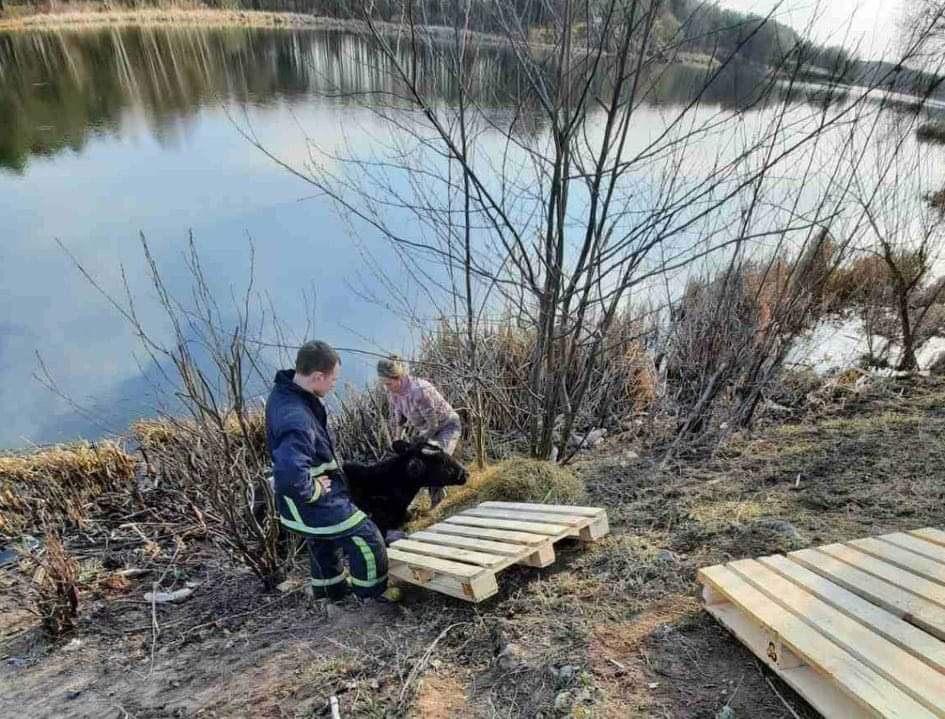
x: 664, y: 555
x: 566, y: 674
x: 510, y: 657
x: 290, y: 585
x: 563, y: 702
x: 167, y: 597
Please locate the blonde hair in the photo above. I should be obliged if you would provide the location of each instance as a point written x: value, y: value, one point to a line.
x: 392, y: 367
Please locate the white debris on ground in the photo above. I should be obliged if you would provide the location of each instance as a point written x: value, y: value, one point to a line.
x: 838, y: 344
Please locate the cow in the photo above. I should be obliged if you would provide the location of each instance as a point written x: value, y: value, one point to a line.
x: 385, y: 489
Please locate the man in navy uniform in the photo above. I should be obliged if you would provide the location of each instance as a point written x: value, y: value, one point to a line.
x: 311, y: 490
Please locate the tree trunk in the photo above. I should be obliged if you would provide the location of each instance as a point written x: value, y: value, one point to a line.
x: 907, y: 360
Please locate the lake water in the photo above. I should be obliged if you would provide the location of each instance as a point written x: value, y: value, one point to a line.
x: 108, y: 134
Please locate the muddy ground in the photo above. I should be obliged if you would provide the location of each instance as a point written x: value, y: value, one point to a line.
x: 610, y: 631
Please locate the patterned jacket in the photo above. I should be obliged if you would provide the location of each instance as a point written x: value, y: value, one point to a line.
x: 419, y: 405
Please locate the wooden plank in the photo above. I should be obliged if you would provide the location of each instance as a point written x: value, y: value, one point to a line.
x: 530, y: 527
x: 909, y: 674
x: 434, y: 565
x: 901, y: 578
x: 480, y: 545
x: 929, y: 550
x: 904, y: 635
x: 451, y: 553
x: 524, y: 538
x: 470, y: 590
x: 910, y: 607
x: 861, y: 684
x: 936, y: 536
x: 542, y: 558
x: 553, y: 508
x: 595, y: 530
x: 516, y: 515
x: 819, y: 692
x: 902, y: 558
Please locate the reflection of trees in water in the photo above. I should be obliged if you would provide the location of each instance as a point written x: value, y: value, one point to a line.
x: 56, y: 89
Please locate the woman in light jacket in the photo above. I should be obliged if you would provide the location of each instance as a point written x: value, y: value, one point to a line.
x: 417, y: 408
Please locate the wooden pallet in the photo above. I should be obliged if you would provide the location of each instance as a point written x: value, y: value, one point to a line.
x: 857, y: 629
x: 461, y: 556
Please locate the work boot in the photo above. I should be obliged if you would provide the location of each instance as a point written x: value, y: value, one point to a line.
x: 391, y: 595
x: 437, y: 495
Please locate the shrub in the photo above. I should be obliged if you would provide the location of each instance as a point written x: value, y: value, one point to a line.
x: 55, y: 587
x: 60, y: 483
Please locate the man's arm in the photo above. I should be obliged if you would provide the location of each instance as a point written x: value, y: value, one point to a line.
x: 294, y: 469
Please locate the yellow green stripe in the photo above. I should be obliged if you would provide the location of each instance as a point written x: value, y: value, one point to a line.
x: 369, y: 562
x: 297, y: 524
x: 365, y: 583
x: 323, y: 469
x: 328, y: 582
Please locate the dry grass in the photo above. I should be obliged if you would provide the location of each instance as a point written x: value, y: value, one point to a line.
x: 515, y: 480
x: 55, y: 587
x: 60, y: 483
x: 624, y: 381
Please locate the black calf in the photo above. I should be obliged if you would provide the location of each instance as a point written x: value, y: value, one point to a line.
x: 385, y: 489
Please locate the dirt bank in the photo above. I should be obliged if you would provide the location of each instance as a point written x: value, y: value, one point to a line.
x: 613, y: 631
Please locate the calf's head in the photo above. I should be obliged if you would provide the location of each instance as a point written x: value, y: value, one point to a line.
x: 428, y: 465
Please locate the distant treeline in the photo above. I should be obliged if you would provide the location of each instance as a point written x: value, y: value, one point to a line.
x: 692, y: 26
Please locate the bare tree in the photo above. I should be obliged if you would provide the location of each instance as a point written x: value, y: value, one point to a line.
x: 905, y: 230
x: 547, y: 200
x: 208, y: 447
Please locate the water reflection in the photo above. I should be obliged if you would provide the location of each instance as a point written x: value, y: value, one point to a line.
x: 59, y: 88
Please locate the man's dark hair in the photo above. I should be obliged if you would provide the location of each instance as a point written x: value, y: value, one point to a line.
x: 316, y: 356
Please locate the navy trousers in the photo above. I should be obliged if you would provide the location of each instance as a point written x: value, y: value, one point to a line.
x: 364, y: 549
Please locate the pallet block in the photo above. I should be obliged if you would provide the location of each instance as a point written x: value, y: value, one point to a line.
x: 857, y: 629
x: 462, y: 555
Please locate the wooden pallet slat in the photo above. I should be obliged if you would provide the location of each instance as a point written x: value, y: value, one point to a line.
x: 460, y: 542
x: 516, y: 526
x: 893, y: 663
x: 858, y: 628
x: 894, y: 575
x: 896, y: 600
x: 433, y: 564
x: 936, y: 536
x: 461, y: 555
x: 452, y: 554
x: 902, y: 558
x: 861, y: 684
x: 552, y: 508
x: 824, y: 696
x: 498, y: 534
x: 544, y: 518
x: 923, y: 548
x: 890, y: 626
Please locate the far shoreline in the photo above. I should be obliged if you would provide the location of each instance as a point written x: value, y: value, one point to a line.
x: 94, y: 17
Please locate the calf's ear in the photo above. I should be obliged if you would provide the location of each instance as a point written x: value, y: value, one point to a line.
x: 400, y: 446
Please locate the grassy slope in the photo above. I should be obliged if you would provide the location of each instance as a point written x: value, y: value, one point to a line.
x: 621, y: 616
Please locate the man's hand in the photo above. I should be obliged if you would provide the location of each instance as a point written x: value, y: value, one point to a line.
x: 325, y: 482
